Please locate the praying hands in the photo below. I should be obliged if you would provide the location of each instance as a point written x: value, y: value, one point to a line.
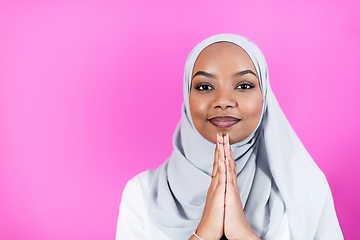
x: 223, y: 212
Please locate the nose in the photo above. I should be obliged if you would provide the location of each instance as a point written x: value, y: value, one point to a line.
x: 224, y: 99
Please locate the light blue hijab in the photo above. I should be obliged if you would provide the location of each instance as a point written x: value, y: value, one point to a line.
x: 277, y: 178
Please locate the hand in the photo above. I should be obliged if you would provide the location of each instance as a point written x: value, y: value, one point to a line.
x: 236, y: 225
x: 223, y: 212
x: 211, y: 225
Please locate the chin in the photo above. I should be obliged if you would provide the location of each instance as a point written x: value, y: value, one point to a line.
x: 235, y: 138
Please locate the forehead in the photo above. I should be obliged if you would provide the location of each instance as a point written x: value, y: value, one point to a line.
x: 221, y: 46
x: 224, y: 54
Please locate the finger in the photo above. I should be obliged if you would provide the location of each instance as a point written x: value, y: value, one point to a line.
x: 221, y: 162
x: 218, y: 180
x: 221, y: 149
x: 231, y: 174
x: 222, y: 174
x: 216, y: 160
x: 216, y: 157
x: 229, y: 155
x: 220, y: 139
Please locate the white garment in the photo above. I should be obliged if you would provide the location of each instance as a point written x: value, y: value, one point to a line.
x: 134, y: 222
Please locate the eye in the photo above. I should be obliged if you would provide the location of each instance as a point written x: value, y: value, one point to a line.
x: 245, y: 86
x: 204, y: 87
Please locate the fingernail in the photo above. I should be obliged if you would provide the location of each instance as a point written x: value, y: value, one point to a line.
x: 217, y: 137
x: 228, y: 141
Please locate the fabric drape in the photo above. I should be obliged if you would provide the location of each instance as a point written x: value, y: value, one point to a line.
x: 276, y: 175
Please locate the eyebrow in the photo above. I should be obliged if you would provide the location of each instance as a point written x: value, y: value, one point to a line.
x: 243, y: 73
x: 205, y: 74
x: 209, y: 75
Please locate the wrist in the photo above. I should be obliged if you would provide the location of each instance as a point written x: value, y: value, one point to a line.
x: 202, y: 234
x: 196, y: 235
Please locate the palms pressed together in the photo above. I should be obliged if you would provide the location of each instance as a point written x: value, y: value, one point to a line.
x: 223, y: 216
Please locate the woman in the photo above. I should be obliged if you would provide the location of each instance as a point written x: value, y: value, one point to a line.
x: 264, y: 186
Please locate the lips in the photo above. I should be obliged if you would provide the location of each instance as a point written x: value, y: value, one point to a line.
x: 224, y: 121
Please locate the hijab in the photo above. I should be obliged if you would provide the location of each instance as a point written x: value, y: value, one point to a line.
x: 276, y: 176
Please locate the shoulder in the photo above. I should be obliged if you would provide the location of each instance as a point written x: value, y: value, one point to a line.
x: 137, y: 188
x: 139, y: 184
x: 133, y: 218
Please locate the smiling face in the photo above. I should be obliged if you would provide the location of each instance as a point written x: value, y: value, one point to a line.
x: 225, y: 95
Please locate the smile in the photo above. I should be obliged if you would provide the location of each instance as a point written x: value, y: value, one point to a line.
x: 224, y: 121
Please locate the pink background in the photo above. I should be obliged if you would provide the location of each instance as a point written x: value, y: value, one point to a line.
x: 91, y: 92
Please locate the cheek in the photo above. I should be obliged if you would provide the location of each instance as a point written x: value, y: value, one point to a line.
x: 198, y: 108
x: 252, y: 108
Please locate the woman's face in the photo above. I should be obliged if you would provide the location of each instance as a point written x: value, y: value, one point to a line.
x: 225, y: 95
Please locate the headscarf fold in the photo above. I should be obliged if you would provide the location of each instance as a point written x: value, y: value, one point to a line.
x: 277, y: 178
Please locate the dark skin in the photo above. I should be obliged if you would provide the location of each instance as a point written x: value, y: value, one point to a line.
x: 225, y: 106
